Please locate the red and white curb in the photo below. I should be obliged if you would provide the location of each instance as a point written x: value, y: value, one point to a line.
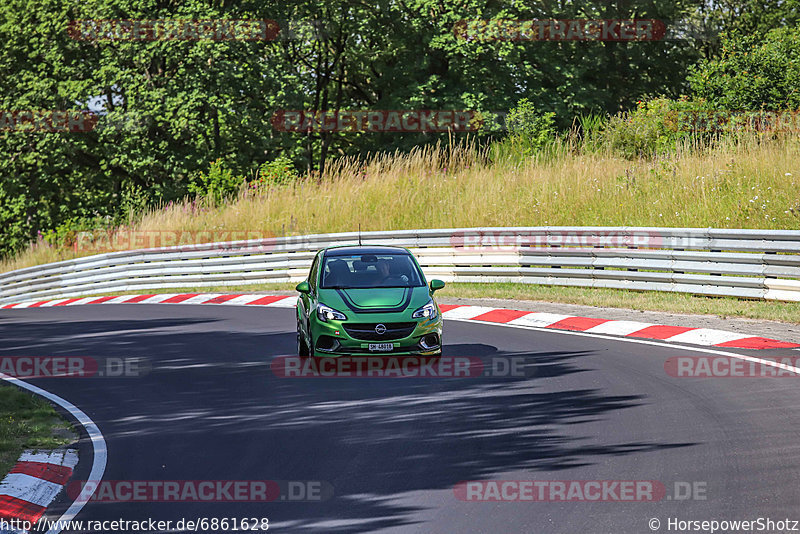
x: 34, y: 482
x: 633, y: 329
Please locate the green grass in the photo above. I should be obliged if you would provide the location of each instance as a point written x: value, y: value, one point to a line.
x: 723, y: 307
x: 28, y: 422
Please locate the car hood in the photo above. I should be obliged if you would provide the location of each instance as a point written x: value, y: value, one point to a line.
x: 375, y: 300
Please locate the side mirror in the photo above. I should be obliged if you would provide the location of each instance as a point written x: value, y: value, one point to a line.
x: 436, y: 285
x: 303, y: 287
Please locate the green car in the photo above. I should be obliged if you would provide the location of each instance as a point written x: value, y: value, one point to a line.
x: 367, y: 300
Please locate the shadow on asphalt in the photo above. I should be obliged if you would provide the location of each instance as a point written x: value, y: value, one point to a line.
x: 212, y: 409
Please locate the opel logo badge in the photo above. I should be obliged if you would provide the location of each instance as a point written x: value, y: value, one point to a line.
x: 380, y: 329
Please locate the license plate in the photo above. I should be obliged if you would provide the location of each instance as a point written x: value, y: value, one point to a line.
x: 381, y: 347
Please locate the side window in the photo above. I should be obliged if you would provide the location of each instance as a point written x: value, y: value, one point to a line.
x: 312, y: 274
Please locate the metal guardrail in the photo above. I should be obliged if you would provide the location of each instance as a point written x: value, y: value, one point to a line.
x: 756, y: 264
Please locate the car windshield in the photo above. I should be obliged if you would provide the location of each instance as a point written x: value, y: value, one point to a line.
x: 364, y: 271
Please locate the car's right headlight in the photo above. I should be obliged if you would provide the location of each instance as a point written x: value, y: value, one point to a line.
x: 326, y: 313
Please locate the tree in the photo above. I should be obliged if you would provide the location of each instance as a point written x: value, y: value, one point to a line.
x: 170, y: 108
x: 753, y: 73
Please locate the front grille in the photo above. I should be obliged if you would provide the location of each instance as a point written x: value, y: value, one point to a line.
x: 366, y: 331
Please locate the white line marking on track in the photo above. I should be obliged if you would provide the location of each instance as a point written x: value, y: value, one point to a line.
x: 100, y: 452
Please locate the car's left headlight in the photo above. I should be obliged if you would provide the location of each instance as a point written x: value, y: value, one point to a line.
x: 428, y: 311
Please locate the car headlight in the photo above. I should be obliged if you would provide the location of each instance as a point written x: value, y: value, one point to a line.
x: 426, y: 312
x: 326, y: 313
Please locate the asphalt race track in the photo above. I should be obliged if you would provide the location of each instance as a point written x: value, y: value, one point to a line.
x: 392, y: 450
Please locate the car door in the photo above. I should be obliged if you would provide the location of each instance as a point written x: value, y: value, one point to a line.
x: 308, y: 302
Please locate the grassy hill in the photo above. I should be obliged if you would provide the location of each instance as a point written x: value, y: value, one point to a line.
x: 745, y: 185
x: 736, y: 185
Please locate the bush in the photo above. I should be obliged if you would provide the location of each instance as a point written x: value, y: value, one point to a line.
x: 653, y: 128
x: 218, y: 185
x: 529, y: 134
x: 279, y: 171
x: 534, y: 129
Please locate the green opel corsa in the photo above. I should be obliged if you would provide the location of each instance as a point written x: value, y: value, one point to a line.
x: 367, y: 300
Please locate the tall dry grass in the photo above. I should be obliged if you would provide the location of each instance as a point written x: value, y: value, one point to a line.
x: 745, y: 184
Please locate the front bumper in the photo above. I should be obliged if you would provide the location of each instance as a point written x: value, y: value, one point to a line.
x: 332, y: 339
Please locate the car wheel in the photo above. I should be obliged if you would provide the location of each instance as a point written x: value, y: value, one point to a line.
x: 302, y: 348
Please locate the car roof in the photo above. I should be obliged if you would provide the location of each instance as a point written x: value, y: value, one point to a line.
x: 348, y: 250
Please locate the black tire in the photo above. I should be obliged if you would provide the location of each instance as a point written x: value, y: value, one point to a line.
x: 302, y: 347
